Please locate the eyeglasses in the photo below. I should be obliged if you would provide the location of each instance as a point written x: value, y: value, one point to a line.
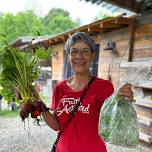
x: 83, y: 51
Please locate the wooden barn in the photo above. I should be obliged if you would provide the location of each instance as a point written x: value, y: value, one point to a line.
x: 121, y: 43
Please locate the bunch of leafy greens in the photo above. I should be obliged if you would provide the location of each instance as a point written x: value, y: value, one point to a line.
x: 118, y: 122
x: 18, y: 70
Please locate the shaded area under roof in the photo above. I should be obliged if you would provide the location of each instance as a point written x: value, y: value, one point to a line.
x: 115, y: 9
x: 138, y: 6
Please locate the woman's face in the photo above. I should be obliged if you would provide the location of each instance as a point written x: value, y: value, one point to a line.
x: 80, y: 57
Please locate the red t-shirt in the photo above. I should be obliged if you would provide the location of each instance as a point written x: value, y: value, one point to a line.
x: 81, y: 135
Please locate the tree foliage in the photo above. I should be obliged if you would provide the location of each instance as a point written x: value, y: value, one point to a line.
x: 57, y: 21
x: 28, y: 23
x: 23, y: 24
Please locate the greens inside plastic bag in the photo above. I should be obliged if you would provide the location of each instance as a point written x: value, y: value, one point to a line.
x: 118, y: 122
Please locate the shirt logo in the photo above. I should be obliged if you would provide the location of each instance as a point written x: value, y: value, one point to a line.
x: 69, y: 104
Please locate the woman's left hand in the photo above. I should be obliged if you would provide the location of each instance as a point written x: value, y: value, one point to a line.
x: 127, y: 92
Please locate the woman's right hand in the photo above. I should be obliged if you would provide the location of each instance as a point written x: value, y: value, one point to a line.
x: 35, y: 108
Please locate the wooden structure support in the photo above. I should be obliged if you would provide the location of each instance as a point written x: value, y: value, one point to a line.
x: 96, y: 27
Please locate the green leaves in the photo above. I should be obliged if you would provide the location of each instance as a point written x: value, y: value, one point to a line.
x: 118, y: 122
x: 18, y: 70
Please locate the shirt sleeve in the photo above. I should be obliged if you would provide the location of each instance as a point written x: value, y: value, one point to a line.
x: 108, y: 89
x: 105, y: 90
x: 56, y: 95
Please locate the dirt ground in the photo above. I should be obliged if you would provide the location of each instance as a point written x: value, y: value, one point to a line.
x: 14, y: 138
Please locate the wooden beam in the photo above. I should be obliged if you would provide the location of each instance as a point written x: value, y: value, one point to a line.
x: 121, y: 20
x: 89, y: 29
x: 109, y: 25
x: 93, y: 29
x: 78, y: 30
x: 46, y: 42
x: 50, y: 41
x: 144, y: 120
x: 144, y: 102
x: 128, y: 4
x: 135, y: 64
x: 62, y: 38
x: 55, y: 39
x: 131, y: 39
x: 145, y: 137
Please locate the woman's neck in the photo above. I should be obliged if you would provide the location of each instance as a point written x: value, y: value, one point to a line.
x: 79, y: 81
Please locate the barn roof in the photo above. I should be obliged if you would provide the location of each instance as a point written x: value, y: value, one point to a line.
x: 137, y: 6
x: 99, y: 26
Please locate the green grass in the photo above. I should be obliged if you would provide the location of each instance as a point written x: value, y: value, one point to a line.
x: 8, y: 113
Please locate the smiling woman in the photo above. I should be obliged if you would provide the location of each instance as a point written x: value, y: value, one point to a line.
x: 77, y: 100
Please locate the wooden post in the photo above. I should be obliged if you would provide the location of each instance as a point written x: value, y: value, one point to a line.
x: 131, y: 39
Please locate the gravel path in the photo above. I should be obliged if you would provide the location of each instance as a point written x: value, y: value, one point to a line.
x: 13, y: 138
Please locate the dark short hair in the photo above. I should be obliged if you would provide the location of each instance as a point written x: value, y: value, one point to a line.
x: 86, y: 38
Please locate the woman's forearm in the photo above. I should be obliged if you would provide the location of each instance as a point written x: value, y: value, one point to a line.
x: 51, y: 120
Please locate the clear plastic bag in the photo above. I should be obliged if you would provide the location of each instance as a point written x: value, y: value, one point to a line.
x: 118, y: 122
